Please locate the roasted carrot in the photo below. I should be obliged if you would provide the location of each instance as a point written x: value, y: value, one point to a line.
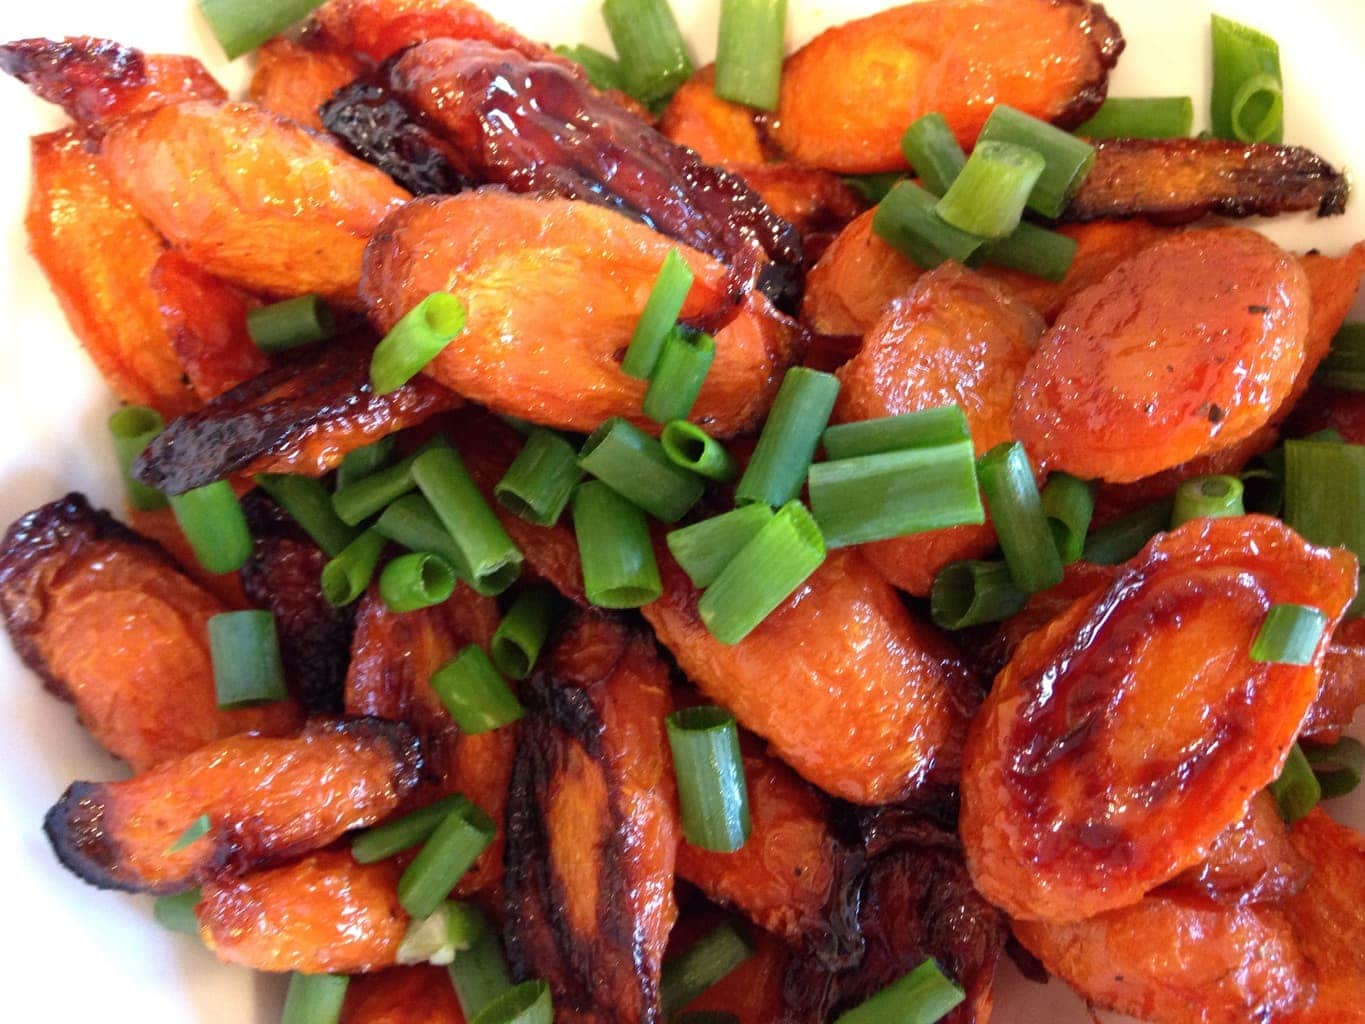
x: 1251, y: 861
x: 720, y: 132
x: 377, y: 29
x: 159, y: 525
x: 815, y: 202
x: 295, y: 77
x: 1123, y: 737
x: 402, y: 995
x: 1333, y: 283
x: 1343, y: 684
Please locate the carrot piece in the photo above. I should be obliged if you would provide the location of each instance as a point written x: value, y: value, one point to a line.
x: 402, y: 995
x: 1333, y: 283
x: 1343, y: 684
x: 1122, y: 738
x: 294, y: 77
x: 377, y: 29
x: 1251, y: 861
x: 159, y: 525
x: 720, y: 132
x: 753, y: 990
x: 814, y: 202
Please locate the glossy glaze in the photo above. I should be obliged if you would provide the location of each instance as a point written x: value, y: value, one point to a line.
x: 295, y: 77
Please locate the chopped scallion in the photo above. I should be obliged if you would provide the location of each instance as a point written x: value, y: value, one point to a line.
x: 309, y: 505
x: 701, y: 965
x: 971, y: 593
x: 383, y: 841
x: 415, y: 581
x: 1338, y: 766
x: 679, y: 374
x: 712, y: 793
x: 242, y: 25
x: 475, y: 693
x: 749, y: 52
x: 196, y: 830
x: 653, y: 55
x: 348, y: 575
x: 906, y: 220
x: 314, y: 998
x: 925, y: 429
x: 1033, y: 250
x: 133, y: 428
x: 527, y: 1003
x: 933, y: 152
x: 521, y: 634
x: 1123, y: 538
x: 1067, y: 159
x: 1324, y: 499
x: 1289, y: 635
x: 539, y: 483
x: 176, y: 912
x: 1296, y: 791
x: 619, y: 570
x: 362, y: 462
x: 635, y: 466
x: 1146, y: 117
x: 487, y: 553
x: 705, y: 548
x: 697, y: 451
x: 212, y: 521
x: 987, y: 199
x: 436, y: 939
x: 1068, y: 504
x: 290, y: 324
x: 790, y: 436
x: 1247, y: 101
x: 415, y: 340
x: 603, y: 70
x: 450, y: 851
x: 658, y: 317
x: 1344, y: 366
x: 1212, y: 497
x: 245, y: 651
x: 923, y: 996
x: 479, y: 973
x: 1017, y: 514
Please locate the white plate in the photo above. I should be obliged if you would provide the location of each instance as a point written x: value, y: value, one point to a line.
x: 78, y: 954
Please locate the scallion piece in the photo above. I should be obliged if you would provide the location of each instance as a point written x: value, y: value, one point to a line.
x: 415, y: 581
x: 679, y: 374
x: 196, y: 830
x: 1338, y: 767
x: 521, y: 634
x: 361, y: 462
x: 479, y: 973
x: 314, y: 998
x: 539, y: 483
x: 383, y: 841
x: 987, y: 199
x: 475, y: 693
x: 653, y: 55
x: 133, y: 428
x: 1212, y: 497
x: 1033, y: 250
x: 923, y: 996
x: 712, y: 793
x: 436, y: 939
x: 892, y: 494
x: 290, y: 324
x: 1296, y: 791
x: 1017, y: 513
x: 348, y: 575
x: 971, y: 593
x: 1146, y: 117
x: 245, y: 651
x: 176, y: 913
x: 1068, y: 504
x: 1125, y: 537
x: 309, y: 505
x: 790, y: 436
x: 1289, y: 635
x: 1344, y: 366
x: 765, y: 573
x: 1068, y: 159
x: 619, y: 570
x: 487, y: 553
x: 906, y: 221
x: 933, y: 152
x: 603, y: 70
x: 659, y: 316
x: 873, y: 188
x: 415, y: 340
x: 925, y: 429
x: 450, y: 851
x: 697, y: 451
x: 359, y: 499
x: 1324, y: 499
x: 412, y: 523
x: 705, y: 548
x: 242, y: 25
x: 705, y: 962
x: 749, y: 52
x: 212, y: 521
x: 635, y: 466
x: 1247, y: 101
x: 527, y: 1003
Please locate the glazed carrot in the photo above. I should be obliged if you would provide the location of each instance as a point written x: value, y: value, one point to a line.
x: 1343, y: 684
x: 1333, y: 283
x: 1186, y: 348
x: 516, y: 262
x: 954, y: 339
x: 294, y: 77
x: 814, y: 202
x: 323, y: 913
x: 159, y: 525
x: 402, y: 995
x: 849, y: 94
x: 753, y: 990
x: 719, y: 131
x: 377, y: 29
x: 1074, y: 801
x: 251, y: 197
x: 1251, y: 861
x: 848, y: 688
x: 110, y: 623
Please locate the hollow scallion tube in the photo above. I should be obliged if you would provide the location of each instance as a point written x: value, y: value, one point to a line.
x: 527, y: 1003
x: 1067, y: 159
x: 176, y: 912
x: 906, y: 220
x: 447, y: 854
x: 679, y: 375
x: 133, y: 428
x: 1140, y: 117
x: 212, y: 520
x: 479, y: 973
x: 635, y: 465
x: 539, y: 483
x: 701, y: 965
x: 657, y: 319
x: 923, y: 996
x: 933, y: 152
x: 412, y: 829
x: 475, y: 694
x: 987, y: 199
x: 314, y: 998
x: 619, y: 569
x: 651, y: 49
x: 1033, y: 250
x: 1324, y: 499
x: 1247, y: 99
x: 362, y: 462
x: 310, y: 505
x: 359, y: 499
x: 712, y: 792
x: 1338, y: 766
x: 242, y: 25
x: 924, y: 429
x: 245, y: 650
x: 704, y: 549
x: 1017, y: 514
x: 521, y: 634
x: 1289, y: 635
x: 347, y: 576
x: 1212, y: 497
x: 290, y: 324
x: 749, y: 51
x: 798, y: 418
x: 415, y: 340
x: 1297, y: 790
x: 695, y: 450
x: 970, y: 593
x: 417, y: 580
x: 487, y: 553
x: 1069, y: 504
x: 1123, y: 538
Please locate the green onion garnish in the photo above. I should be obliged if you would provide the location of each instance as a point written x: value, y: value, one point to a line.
x: 653, y: 55
x: 619, y: 570
x: 290, y: 324
x: 635, y: 466
x: 923, y: 996
x: 1296, y: 791
x: 1033, y: 250
x: 176, y: 912
x: 539, y: 483
x: 970, y: 593
x: 1344, y: 366
x: 1125, y: 537
x: 314, y: 998
x: 492, y: 560
x: 1146, y: 117
x: 712, y: 794
x: 925, y: 429
x: 242, y: 25
x: 479, y: 973
x: 1289, y: 635
x: 603, y: 70
x: 527, y: 1003
x: 1212, y: 497
x: 246, y: 659
x: 348, y: 575
x: 1068, y: 504
x: 1068, y: 159
x: 679, y: 374
x: 933, y: 152
x: 361, y: 462
x: 133, y: 428
x: 765, y: 573
x: 1247, y: 101
x: 196, y: 830
x: 987, y: 199
x: 359, y: 499
x: 749, y: 52
x: 704, y: 549
x: 521, y: 634
x: 1324, y: 499
x: 875, y: 497
x: 415, y: 581
x: 436, y: 939
x: 697, y: 451
x: 450, y: 851
x: 906, y: 220
x: 383, y: 841
x: 1017, y: 512
x: 310, y: 505
x: 475, y: 694
x: 211, y: 519
x: 415, y: 341
x: 658, y: 317
x: 705, y: 962
x: 790, y: 436
x: 412, y: 523
x: 1338, y: 767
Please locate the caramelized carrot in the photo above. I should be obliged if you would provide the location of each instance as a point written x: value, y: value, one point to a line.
x: 402, y: 995
x: 110, y: 623
x: 159, y: 525
x: 1123, y: 737
x: 516, y: 262
x: 252, y: 197
x: 295, y: 77
x: 849, y: 94
x: 1333, y: 283
x: 818, y: 204
x: 720, y: 132
x: 1343, y: 684
x: 377, y: 29
x: 267, y: 801
x: 954, y: 339
x: 1186, y: 348
x: 753, y: 990
x: 1251, y: 861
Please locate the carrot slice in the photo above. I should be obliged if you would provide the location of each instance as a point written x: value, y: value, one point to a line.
x: 1333, y: 283
x: 377, y: 29
x: 1251, y: 861
x: 295, y: 77
x: 402, y: 995
x: 720, y: 132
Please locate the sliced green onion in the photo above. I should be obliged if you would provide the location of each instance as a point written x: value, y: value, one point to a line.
x: 1324, y: 498
x: 923, y: 996
x: 790, y: 436
x: 212, y: 521
x: 749, y: 52
x: 521, y: 634
x: 705, y: 962
x: 314, y: 998
x: 679, y: 374
x: 348, y: 575
x: 1247, y: 101
x: 933, y: 152
x: 176, y: 913
x: 487, y: 553
x: 451, y: 929
x: 1344, y: 366
x: 1289, y: 635
x: 1069, y: 504
x: 619, y: 570
x: 603, y: 70
x: 635, y: 466
x: 925, y: 429
x: 450, y: 851
x: 657, y: 319
x: 1017, y: 513
x: 1125, y: 537
x: 475, y: 694
x: 415, y: 581
x: 290, y: 324
x: 527, y: 1003
x: 1212, y: 497
x: 133, y: 428
x: 971, y: 593
x: 1296, y: 791
x: 539, y: 483
x: 196, y: 830
x: 987, y: 199
x: 906, y: 221
x: 309, y: 505
x: 383, y: 841
x: 704, y: 549
x: 359, y: 499
x: 653, y: 55
x: 479, y: 973
x: 765, y: 573
x: 417, y: 339
x: 1068, y: 159
x: 242, y: 25
x: 1033, y: 250
x: 412, y: 523
x: 875, y: 497
x: 361, y: 462
x: 245, y: 651
x: 1338, y: 767
x: 712, y: 794
x: 697, y: 451
x: 873, y: 188
x: 1146, y: 117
